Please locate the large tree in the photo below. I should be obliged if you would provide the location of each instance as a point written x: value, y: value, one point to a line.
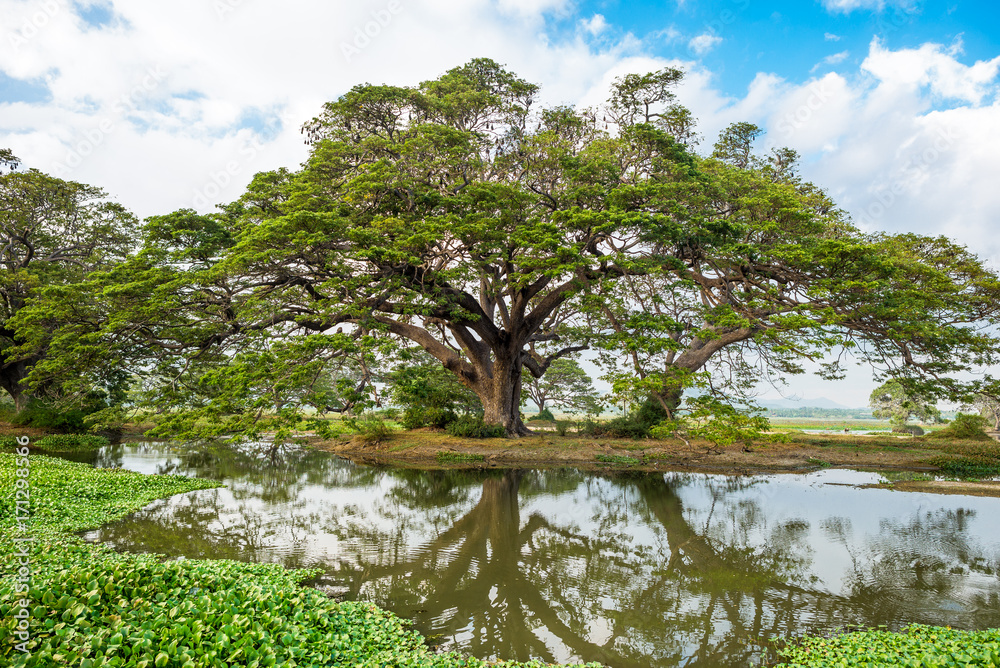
x: 53, y: 234
x: 500, y: 238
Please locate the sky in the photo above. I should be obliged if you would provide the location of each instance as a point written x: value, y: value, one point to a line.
x: 893, y: 104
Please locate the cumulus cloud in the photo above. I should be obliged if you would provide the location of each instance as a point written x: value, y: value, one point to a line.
x: 179, y: 91
x: 830, y: 37
x: 173, y: 105
x: 595, y: 25
x: 891, y: 153
x: 704, y: 43
x: 934, y: 66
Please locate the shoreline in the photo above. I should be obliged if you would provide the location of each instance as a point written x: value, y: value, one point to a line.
x: 428, y: 449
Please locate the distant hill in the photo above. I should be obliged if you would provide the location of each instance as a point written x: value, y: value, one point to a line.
x: 821, y: 402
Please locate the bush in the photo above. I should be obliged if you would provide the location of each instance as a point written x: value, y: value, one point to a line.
x: 44, y: 416
x: 474, y: 427
x: 415, y: 417
x: 71, y: 442
x: 371, y: 429
x: 911, y: 429
x: 562, y: 426
x: 624, y: 427
x: 637, y: 425
x: 968, y: 467
x: 965, y: 428
x: 590, y: 427
x: 544, y: 414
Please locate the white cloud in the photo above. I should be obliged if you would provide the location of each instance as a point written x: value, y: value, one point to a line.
x: 830, y: 37
x: 835, y: 58
x: 153, y: 106
x: 936, y: 67
x: 595, y: 25
x: 848, y: 6
x: 704, y: 43
x: 533, y: 7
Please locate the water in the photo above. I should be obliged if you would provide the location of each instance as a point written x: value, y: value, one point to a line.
x: 624, y: 568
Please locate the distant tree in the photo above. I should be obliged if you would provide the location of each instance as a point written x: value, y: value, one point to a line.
x: 894, y: 401
x: 565, y: 385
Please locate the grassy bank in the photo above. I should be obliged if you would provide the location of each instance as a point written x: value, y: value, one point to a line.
x: 89, y: 606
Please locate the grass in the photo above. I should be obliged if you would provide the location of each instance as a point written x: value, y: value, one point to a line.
x: 623, y: 460
x: 917, y: 646
x: 90, y: 606
x: 459, y: 457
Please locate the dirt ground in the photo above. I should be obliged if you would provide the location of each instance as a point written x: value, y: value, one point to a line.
x: 437, y: 449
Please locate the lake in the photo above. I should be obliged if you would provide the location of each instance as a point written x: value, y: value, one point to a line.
x: 629, y: 569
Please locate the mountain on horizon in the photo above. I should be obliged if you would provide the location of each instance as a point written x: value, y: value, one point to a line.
x: 820, y: 402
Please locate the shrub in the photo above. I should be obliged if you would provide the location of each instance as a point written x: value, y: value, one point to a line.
x: 968, y: 467
x: 590, y: 427
x: 964, y: 427
x: 637, y: 425
x: 474, y: 427
x: 44, y: 416
x: 71, y: 442
x: 371, y: 429
x: 911, y: 429
x: 562, y: 426
x: 624, y: 427
x: 545, y: 414
x: 415, y: 417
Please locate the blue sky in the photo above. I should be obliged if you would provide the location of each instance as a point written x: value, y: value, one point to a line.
x: 893, y: 104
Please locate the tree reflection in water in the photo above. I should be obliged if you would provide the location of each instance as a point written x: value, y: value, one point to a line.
x: 629, y: 570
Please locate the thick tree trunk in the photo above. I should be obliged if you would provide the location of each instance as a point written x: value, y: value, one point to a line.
x: 500, y: 394
x: 11, y: 375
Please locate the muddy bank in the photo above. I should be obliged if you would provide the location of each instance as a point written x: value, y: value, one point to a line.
x: 431, y: 448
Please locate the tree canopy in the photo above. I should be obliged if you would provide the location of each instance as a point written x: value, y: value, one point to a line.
x: 501, y: 238
x: 54, y: 233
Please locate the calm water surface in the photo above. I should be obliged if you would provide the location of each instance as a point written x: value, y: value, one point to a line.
x: 626, y: 569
